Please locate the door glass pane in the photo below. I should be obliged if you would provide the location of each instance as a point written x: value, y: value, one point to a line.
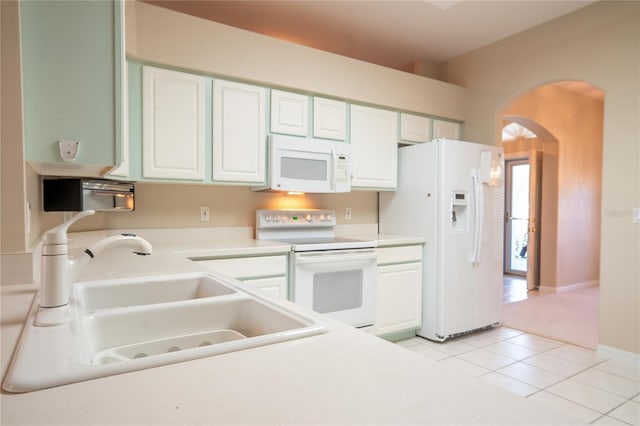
x: 519, y: 217
x: 303, y: 168
x: 337, y: 291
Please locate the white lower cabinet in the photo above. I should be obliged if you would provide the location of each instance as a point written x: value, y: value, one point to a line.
x: 399, y: 296
x: 269, y: 273
x: 275, y: 287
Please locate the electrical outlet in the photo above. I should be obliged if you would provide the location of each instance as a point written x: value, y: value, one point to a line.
x: 347, y: 213
x: 205, y: 213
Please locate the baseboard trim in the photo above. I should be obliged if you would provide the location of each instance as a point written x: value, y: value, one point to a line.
x: 619, y: 354
x: 570, y: 287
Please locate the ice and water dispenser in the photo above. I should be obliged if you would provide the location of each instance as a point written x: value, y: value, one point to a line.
x: 459, y: 211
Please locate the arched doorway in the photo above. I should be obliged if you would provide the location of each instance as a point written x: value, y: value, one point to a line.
x: 567, y: 121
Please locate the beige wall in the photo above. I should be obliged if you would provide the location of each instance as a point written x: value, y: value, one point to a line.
x: 166, y: 37
x: 598, y: 44
x: 570, y: 257
x: 178, y: 206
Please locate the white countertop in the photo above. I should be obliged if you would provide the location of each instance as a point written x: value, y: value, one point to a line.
x: 345, y: 376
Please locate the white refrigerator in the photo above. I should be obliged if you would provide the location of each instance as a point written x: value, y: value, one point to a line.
x: 452, y: 193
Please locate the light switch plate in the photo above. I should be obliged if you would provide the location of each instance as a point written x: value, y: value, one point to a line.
x: 636, y: 215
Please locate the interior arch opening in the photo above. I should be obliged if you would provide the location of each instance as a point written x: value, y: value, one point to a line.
x: 554, y: 133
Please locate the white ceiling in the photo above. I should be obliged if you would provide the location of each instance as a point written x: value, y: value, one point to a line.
x: 391, y: 33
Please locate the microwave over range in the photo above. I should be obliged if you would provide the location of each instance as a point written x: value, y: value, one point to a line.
x: 299, y: 164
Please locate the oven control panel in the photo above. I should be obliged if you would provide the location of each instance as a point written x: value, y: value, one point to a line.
x: 295, y: 218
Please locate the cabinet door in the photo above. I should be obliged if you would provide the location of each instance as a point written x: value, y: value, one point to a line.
x: 239, y: 135
x: 289, y: 113
x: 414, y: 128
x: 173, y: 117
x: 274, y: 287
x: 72, y: 71
x: 399, y: 298
x: 446, y: 129
x: 329, y: 119
x: 374, y: 148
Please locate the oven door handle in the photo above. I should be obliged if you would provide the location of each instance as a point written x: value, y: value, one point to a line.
x: 310, y: 258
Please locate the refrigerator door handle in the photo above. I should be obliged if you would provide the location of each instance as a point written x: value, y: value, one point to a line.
x: 478, y: 208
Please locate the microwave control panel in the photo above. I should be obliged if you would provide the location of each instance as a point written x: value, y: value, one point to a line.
x: 342, y: 168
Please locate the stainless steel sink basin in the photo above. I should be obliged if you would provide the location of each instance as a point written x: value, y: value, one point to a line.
x: 117, y: 326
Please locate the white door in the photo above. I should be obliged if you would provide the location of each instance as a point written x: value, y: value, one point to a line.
x: 488, y: 270
x: 340, y: 284
x: 289, y: 113
x: 445, y: 129
x: 516, y: 247
x: 535, y: 197
x: 414, y: 128
x: 374, y: 148
x: 455, y: 290
x: 239, y: 134
x: 173, y: 116
x: 329, y: 119
x: 399, y: 298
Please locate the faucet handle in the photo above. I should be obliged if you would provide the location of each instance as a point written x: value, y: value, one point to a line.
x: 58, y: 235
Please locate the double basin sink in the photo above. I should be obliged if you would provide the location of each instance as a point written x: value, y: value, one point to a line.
x: 121, y: 325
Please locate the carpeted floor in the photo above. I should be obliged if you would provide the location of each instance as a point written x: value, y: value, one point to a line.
x: 571, y: 317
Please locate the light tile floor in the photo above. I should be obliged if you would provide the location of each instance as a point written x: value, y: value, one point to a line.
x: 580, y: 382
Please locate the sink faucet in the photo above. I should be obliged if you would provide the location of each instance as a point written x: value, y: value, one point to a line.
x: 59, y: 270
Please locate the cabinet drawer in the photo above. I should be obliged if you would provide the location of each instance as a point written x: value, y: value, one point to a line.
x: 401, y: 254
x: 248, y: 267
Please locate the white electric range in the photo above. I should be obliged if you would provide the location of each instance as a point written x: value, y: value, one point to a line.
x: 332, y: 275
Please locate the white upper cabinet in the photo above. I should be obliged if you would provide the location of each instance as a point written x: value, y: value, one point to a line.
x: 329, y: 119
x: 446, y: 129
x: 239, y: 135
x: 173, y: 124
x: 414, y: 128
x: 289, y: 113
x: 374, y: 148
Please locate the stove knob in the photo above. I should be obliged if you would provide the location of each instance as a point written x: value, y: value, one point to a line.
x: 267, y: 218
x: 328, y: 218
x: 308, y: 217
x: 276, y: 218
x: 321, y: 218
